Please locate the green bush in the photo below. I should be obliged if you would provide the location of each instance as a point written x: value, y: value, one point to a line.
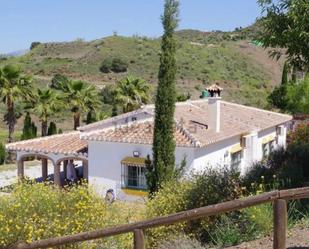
x: 52, y: 129
x: 106, y: 66
x: 119, y: 66
x: 227, y: 232
x: 39, y: 211
x: 209, y: 187
x: 29, y: 129
x: 34, y: 45
x: 203, y: 189
x: 115, y: 65
x: 2, y: 153
x: 283, y: 168
x: 59, y: 82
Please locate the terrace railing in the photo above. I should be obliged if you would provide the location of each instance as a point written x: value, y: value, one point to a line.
x: 279, y: 199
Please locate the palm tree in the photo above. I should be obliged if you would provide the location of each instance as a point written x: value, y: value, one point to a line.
x: 14, y: 87
x: 81, y: 97
x: 47, y: 103
x: 131, y: 93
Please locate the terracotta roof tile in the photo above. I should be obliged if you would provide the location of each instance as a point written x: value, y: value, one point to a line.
x: 67, y: 143
x: 192, y: 120
x: 191, y: 129
x: 138, y: 133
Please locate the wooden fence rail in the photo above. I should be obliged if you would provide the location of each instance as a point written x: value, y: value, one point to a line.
x: 280, y: 220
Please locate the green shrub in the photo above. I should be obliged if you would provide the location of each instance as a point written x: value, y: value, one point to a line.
x: 59, y: 82
x: 226, y: 233
x: 244, y: 225
x: 203, y: 189
x: 106, y: 66
x: 283, y: 169
x: 52, y: 129
x: 261, y: 217
x: 115, y: 65
x: 29, y: 129
x: 39, y: 211
x: 34, y: 45
x: 171, y: 198
x: 2, y: 153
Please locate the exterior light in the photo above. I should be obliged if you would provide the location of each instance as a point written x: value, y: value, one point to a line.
x: 135, y: 153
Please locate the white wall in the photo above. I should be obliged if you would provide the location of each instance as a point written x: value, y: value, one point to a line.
x: 105, y: 157
x: 105, y: 162
x: 214, y: 155
x: 218, y: 154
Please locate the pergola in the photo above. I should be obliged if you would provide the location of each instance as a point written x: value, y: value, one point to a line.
x: 56, y: 148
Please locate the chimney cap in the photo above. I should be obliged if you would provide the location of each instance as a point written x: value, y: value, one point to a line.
x: 214, y: 90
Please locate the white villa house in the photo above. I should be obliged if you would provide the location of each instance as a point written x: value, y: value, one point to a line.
x: 209, y: 132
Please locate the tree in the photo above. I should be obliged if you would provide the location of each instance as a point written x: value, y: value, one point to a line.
x: 34, y: 45
x: 130, y: 93
x: 163, y: 141
x: 47, y: 103
x: 59, y: 82
x: 286, y: 25
x: 285, y: 74
x: 14, y: 87
x: 115, y: 65
x: 119, y: 65
x: 29, y: 129
x: 298, y: 97
x: 277, y: 97
x: 2, y: 153
x: 81, y: 97
x: 52, y: 129
x: 91, y: 117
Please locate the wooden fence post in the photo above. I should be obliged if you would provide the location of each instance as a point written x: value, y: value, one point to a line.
x: 139, y: 239
x: 280, y: 224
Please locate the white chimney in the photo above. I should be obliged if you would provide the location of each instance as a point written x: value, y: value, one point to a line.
x: 214, y: 112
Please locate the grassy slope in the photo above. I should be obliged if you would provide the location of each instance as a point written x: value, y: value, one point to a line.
x: 237, y: 65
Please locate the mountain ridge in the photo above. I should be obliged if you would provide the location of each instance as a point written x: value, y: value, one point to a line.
x: 243, y: 69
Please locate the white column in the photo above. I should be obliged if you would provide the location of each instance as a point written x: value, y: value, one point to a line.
x: 20, y: 169
x: 85, y: 170
x: 57, y: 179
x: 65, y: 168
x: 44, y: 168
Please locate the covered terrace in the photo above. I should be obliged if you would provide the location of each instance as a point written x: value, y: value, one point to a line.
x: 58, y: 149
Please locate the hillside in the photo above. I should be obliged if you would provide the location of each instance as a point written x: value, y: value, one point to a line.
x: 244, y: 70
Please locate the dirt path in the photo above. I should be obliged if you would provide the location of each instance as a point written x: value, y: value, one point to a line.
x: 298, y: 238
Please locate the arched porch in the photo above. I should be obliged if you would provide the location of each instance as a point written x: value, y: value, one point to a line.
x: 56, y: 149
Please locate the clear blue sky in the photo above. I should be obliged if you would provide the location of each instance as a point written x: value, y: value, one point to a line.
x: 64, y: 20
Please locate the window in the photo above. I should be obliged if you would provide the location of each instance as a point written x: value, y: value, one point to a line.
x: 236, y: 161
x: 134, y: 177
x: 268, y: 148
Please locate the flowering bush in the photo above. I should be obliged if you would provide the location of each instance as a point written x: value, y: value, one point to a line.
x: 38, y: 211
x: 209, y: 187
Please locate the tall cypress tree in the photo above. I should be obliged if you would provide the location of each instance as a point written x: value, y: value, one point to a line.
x: 285, y: 74
x: 52, y: 129
x: 29, y: 129
x: 163, y: 141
